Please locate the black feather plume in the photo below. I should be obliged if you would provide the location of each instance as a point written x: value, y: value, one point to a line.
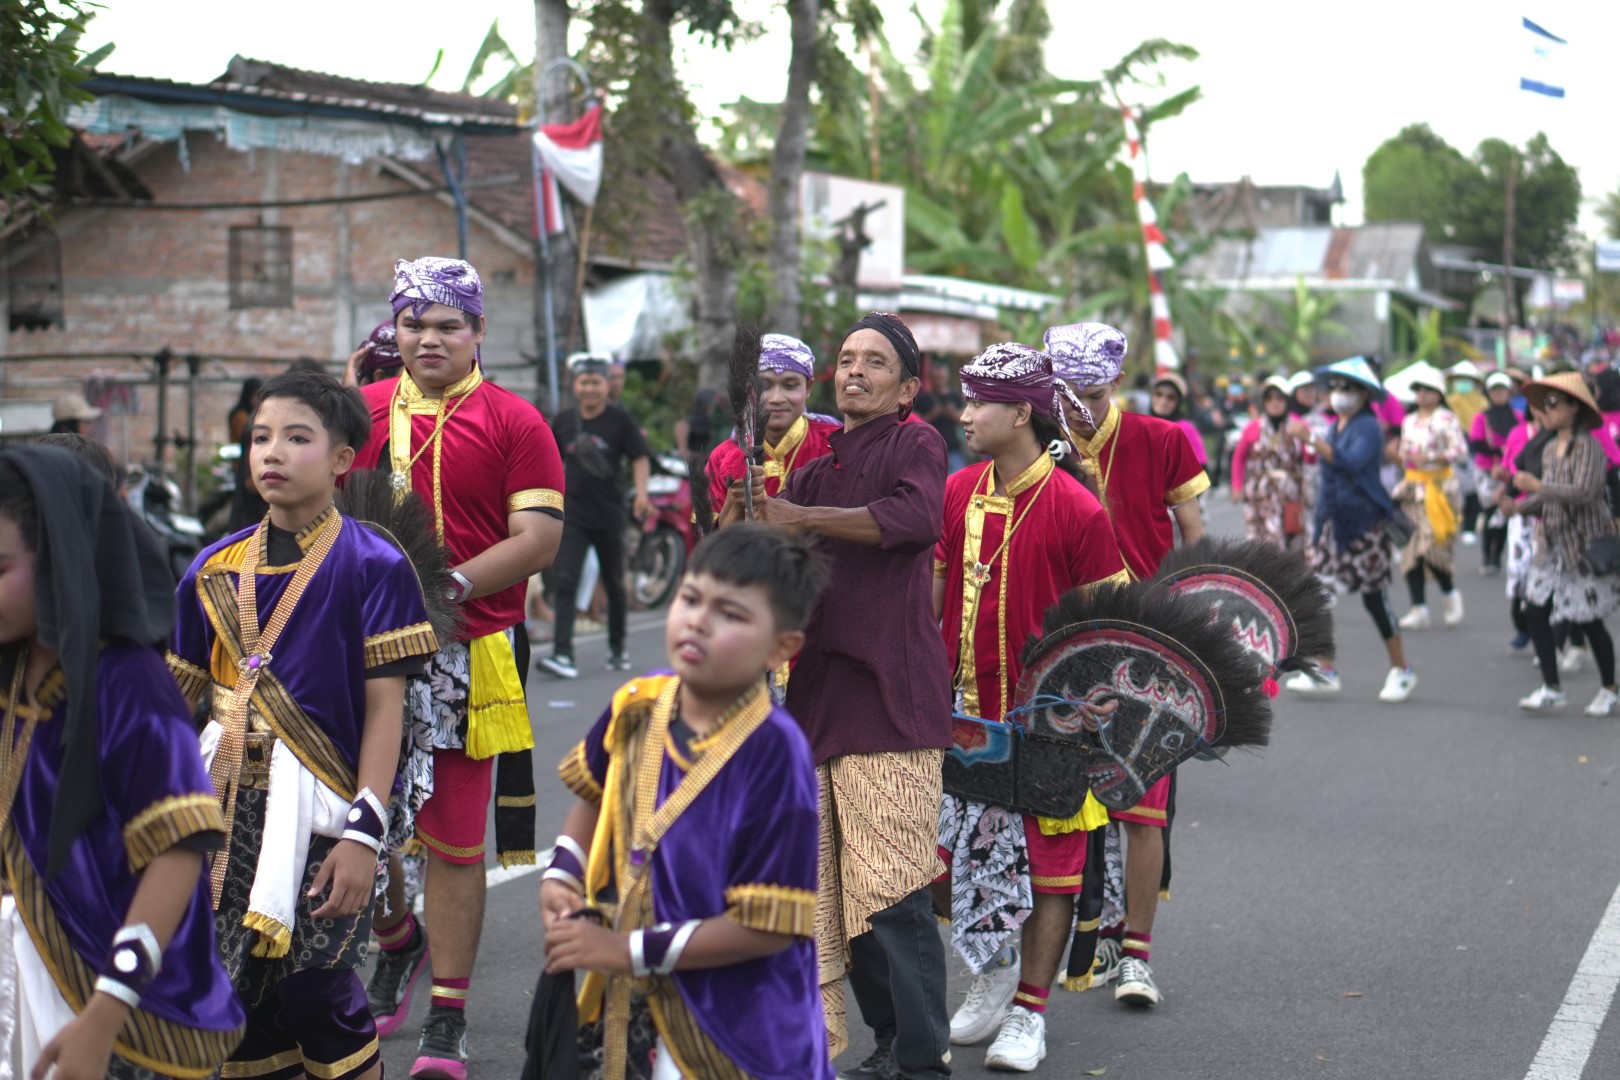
x: 742, y: 393
x: 1284, y: 574
x: 1181, y: 631
x: 697, y: 471
x: 368, y: 496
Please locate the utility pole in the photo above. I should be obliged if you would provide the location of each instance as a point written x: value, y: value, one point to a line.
x: 553, y: 256
x: 1510, y: 291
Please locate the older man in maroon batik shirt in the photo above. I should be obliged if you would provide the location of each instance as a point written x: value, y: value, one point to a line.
x: 872, y: 691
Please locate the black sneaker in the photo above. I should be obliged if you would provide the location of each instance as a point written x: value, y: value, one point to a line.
x: 389, y: 992
x: 560, y: 666
x: 618, y: 662
x: 879, y: 1063
x: 442, y: 1053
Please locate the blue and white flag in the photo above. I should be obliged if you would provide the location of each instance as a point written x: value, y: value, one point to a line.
x: 1542, y: 66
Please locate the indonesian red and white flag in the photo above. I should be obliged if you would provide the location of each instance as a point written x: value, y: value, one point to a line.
x: 568, y: 156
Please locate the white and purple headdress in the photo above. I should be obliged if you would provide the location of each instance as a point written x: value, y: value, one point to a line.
x: 433, y: 280
x: 779, y: 353
x: 1086, y: 354
x: 1010, y: 373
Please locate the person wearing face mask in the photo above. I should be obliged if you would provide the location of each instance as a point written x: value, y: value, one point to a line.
x: 1431, y: 445
x: 1268, y: 471
x: 1170, y: 402
x: 1348, y: 542
x: 1486, y: 441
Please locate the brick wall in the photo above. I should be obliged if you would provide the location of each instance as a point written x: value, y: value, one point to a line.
x: 137, y: 281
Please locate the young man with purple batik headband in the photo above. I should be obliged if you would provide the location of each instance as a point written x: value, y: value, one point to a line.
x: 486, y: 464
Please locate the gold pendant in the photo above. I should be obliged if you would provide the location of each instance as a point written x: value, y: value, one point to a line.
x: 979, y: 576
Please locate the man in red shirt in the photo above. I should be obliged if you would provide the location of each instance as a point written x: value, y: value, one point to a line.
x: 1020, y: 531
x: 1145, y: 472
x: 787, y: 367
x: 486, y: 464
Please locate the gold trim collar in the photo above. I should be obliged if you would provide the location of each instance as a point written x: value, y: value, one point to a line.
x: 1110, y: 426
x: 410, y: 396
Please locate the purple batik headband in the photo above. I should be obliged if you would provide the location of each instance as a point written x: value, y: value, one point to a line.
x: 1014, y: 374
x: 779, y: 353
x: 1086, y: 354
x: 434, y: 280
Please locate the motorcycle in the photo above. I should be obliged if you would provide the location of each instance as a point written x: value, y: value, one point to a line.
x: 155, y: 499
x: 666, y: 537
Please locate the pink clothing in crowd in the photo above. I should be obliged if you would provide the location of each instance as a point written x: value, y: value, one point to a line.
x: 1390, y: 413
x: 1196, y: 439
x: 1482, y: 433
x: 1240, y: 455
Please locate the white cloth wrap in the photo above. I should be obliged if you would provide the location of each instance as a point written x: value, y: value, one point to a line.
x: 299, y: 807
x: 32, y: 1009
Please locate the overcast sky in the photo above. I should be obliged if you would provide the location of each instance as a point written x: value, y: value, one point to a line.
x: 1291, y: 91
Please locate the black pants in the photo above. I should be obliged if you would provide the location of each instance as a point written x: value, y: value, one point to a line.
x: 1541, y: 632
x: 1377, y: 605
x: 898, y: 975
x: 1415, y: 582
x: 1471, y: 510
x: 1495, y: 545
x: 609, y: 545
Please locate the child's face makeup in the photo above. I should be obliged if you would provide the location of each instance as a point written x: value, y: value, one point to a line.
x: 721, y: 636
x: 17, y: 613
x: 293, y: 459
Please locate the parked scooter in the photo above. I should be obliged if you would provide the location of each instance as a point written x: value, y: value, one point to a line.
x: 667, y: 536
x: 156, y: 500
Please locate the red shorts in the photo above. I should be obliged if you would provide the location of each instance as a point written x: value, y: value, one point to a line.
x: 452, y: 823
x: 1057, y: 864
x: 1150, y: 811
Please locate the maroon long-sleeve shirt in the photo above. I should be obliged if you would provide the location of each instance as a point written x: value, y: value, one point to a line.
x: 873, y: 677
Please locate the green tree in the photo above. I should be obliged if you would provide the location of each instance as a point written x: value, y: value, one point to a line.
x: 1546, y: 205
x: 43, y: 69
x: 1302, y: 325
x: 1418, y: 176
x: 1608, y: 212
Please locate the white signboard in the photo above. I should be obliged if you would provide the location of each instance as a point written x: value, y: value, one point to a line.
x: 1608, y: 255
x: 1566, y: 292
x: 826, y: 200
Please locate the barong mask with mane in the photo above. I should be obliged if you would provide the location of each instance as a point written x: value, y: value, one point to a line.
x: 1179, y: 685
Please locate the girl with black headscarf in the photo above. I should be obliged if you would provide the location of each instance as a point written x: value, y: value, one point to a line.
x: 105, y: 808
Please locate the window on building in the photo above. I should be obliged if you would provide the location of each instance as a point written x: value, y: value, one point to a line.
x: 261, y: 266
x: 33, y: 265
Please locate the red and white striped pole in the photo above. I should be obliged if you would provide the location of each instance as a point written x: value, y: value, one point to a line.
x: 1153, y: 243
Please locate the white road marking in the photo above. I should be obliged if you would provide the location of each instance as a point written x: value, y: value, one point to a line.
x: 1574, y: 1031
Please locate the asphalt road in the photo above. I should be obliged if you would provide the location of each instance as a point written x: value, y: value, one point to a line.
x: 1385, y: 891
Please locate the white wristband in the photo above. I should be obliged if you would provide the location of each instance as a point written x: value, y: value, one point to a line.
x: 559, y: 874
x: 570, y: 845
x: 678, y: 946
x: 638, y: 957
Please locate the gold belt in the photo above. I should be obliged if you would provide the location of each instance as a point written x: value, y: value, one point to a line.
x: 256, y: 760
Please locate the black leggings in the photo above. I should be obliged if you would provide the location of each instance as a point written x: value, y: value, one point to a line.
x: 1495, y: 545
x: 1471, y: 509
x: 1415, y: 583
x: 1377, y: 605
x: 1521, y: 622
x: 1541, y: 632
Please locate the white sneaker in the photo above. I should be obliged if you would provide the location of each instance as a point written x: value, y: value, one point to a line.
x: 1469, y: 539
x: 1542, y: 699
x: 1454, y: 608
x: 1105, y: 965
x: 1605, y: 704
x: 1136, y: 985
x: 988, y: 999
x: 1301, y: 683
x: 1398, y: 685
x: 1021, y: 1045
x: 1572, y: 660
x: 1416, y: 619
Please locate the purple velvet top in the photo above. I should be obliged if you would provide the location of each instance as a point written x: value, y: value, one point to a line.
x: 156, y: 794
x: 752, y: 833
x: 873, y: 677
x: 363, y: 608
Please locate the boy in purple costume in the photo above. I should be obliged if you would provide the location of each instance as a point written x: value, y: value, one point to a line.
x: 107, y: 960
x: 698, y: 809
x: 304, y: 628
